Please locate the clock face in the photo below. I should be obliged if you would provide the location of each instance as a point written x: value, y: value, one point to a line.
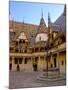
x: 41, y: 37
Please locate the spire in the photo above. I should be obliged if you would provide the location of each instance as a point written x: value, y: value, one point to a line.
x: 23, y: 20
x: 49, y: 20
x: 42, y: 22
x: 41, y: 13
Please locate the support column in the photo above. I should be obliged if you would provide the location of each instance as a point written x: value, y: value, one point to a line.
x: 45, y: 63
x: 23, y: 63
x: 31, y: 63
x: 13, y: 65
x: 58, y: 62
x: 51, y: 61
x: 47, y: 66
x: 39, y: 66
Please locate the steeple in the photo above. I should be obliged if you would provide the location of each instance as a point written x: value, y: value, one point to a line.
x: 49, y: 22
x: 42, y: 25
x: 42, y: 22
x: 49, y: 19
x: 41, y: 13
x: 23, y: 20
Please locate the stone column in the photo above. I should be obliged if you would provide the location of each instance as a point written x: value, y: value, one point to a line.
x: 45, y: 63
x: 13, y: 65
x: 23, y: 63
x: 51, y: 61
x: 58, y: 62
x: 31, y: 63
x: 39, y: 66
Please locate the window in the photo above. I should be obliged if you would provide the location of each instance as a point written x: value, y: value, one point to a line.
x: 11, y: 49
x: 52, y: 36
x: 36, y: 59
x: 23, y: 41
x: 16, y: 43
x: 36, y: 49
x: 25, y: 61
x: 42, y: 49
x: 16, y: 50
x: 55, y: 62
x: 42, y: 57
x: 51, y: 65
x: 25, y: 50
x: 32, y: 50
x: 10, y: 59
x: 51, y: 44
x: 20, y: 41
x: 20, y: 60
x: 10, y: 67
x: 16, y: 61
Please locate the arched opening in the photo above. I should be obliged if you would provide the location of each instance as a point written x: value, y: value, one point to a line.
x: 18, y: 68
x: 55, y: 62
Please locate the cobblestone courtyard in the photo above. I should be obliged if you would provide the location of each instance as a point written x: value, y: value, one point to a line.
x: 30, y: 79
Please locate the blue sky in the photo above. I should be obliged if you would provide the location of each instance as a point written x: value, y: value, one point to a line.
x: 31, y: 12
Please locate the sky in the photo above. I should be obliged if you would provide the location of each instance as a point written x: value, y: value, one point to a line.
x: 30, y: 12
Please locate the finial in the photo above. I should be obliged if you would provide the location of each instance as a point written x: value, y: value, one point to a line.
x: 41, y: 13
x: 23, y: 20
x: 49, y: 20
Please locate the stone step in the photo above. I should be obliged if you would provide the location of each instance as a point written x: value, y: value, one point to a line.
x: 51, y: 78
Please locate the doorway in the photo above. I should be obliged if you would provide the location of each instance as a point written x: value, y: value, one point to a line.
x: 10, y: 66
x: 18, y: 68
x: 55, y: 62
x: 35, y: 67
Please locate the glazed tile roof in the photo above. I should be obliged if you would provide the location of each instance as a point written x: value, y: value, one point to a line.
x: 60, y: 23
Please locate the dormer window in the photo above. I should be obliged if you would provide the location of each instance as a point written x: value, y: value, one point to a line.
x: 20, y: 41
x: 22, y: 36
x: 41, y: 37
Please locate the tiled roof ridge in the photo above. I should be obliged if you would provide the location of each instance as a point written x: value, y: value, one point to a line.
x: 23, y: 23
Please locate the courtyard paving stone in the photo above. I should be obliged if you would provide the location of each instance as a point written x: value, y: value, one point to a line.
x: 24, y: 79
